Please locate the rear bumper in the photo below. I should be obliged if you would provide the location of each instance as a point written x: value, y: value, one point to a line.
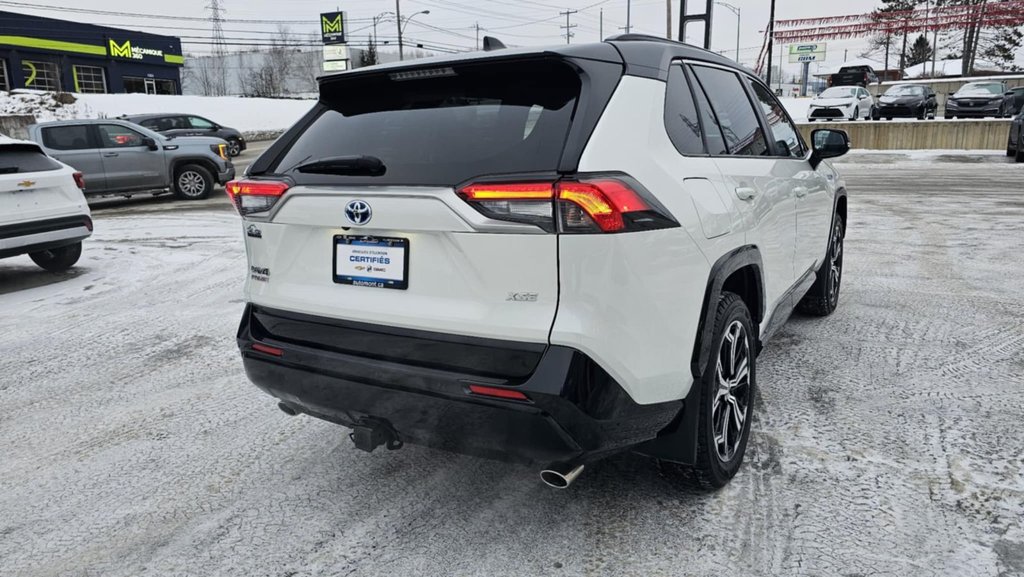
x: 419, y: 383
x: 34, y: 236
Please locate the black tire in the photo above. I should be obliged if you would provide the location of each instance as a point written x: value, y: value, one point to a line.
x: 888, y: 118
x: 192, y: 182
x: 713, y: 469
x: 1020, y: 148
x: 234, y: 148
x: 921, y: 114
x: 57, y: 259
x: 948, y: 117
x: 856, y: 114
x: 823, y: 297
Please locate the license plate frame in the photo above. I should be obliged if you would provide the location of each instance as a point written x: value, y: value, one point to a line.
x: 374, y: 247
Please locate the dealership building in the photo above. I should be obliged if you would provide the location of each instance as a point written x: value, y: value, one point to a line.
x: 60, y: 55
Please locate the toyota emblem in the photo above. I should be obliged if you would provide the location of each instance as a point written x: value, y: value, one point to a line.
x: 358, y: 212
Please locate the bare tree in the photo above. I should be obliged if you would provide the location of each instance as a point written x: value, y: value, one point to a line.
x: 273, y: 67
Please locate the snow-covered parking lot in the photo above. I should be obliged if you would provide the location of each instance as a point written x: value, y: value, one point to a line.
x: 888, y: 437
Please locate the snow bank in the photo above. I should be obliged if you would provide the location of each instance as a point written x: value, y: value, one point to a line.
x: 250, y: 115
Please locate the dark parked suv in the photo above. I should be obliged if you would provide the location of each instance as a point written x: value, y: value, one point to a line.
x: 190, y: 125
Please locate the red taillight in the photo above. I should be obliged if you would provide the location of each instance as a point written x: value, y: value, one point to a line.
x: 604, y: 201
x: 274, y: 351
x: 251, y: 196
x: 587, y: 205
x: 79, y: 180
x: 498, y: 393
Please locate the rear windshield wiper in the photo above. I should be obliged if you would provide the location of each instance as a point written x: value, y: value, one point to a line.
x: 345, y: 165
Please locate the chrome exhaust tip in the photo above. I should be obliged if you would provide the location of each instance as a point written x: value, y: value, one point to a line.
x: 560, y: 475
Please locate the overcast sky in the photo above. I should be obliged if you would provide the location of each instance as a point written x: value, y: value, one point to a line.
x: 450, y: 22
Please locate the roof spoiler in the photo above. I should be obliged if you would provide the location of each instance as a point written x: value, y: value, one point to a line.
x: 492, y: 43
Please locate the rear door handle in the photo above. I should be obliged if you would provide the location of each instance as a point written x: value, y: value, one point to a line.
x: 745, y: 193
x: 109, y: 154
x: 800, y: 191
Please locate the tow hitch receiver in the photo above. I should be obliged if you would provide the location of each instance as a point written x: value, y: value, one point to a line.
x: 370, y: 433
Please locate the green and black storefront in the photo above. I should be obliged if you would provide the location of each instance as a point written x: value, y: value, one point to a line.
x: 59, y: 55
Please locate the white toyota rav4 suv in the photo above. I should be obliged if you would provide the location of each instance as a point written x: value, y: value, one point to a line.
x: 43, y: 212
x: 541, y: 255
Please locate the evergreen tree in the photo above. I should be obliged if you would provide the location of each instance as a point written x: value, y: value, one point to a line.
x: 369, y: 56
x: 920, y: 52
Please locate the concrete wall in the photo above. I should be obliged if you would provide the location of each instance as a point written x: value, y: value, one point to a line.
x: 16, y: 125
x: 921, y: 135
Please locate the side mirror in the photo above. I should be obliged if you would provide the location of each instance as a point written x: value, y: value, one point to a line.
x: 826, y: 144
x: 149, y: 143
x: 1009, y: 93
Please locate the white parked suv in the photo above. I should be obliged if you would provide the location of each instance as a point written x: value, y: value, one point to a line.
x: 43, y: 212
x: 539, y: 255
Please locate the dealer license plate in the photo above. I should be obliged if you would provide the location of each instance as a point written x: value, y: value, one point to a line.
x: 371, y: 261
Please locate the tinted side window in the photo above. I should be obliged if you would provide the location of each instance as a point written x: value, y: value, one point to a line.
x: 783, y: 131
x: 67, y: 137
x: 681, y: 118
x: 116, y: 136
x: 151, y: 123
x: 736, y: 115
x: 713, y: 136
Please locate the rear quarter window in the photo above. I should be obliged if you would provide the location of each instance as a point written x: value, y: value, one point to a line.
x: 441, y: 127
x: 19, y: 159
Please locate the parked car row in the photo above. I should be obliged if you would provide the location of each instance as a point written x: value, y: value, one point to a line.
x: 1015, y: 142
x: 973, y: 100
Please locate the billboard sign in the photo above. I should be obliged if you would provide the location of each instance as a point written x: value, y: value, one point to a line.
x: 800, y: 53
x: 332, y: 27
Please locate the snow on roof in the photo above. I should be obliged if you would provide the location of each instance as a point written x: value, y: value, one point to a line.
x: 949, y: 68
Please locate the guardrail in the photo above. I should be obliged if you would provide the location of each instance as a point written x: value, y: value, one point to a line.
x: 920, y: 135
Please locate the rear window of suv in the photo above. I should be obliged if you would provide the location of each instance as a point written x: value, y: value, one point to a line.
x: 20, y: 159
x: 441, y: 126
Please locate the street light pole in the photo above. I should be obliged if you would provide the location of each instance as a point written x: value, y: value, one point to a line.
x: 401, y: 27
x: 735, y: 10
x: 398, y: 23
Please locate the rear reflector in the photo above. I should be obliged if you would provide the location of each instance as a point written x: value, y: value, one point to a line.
x: 526, y: 191
x: 251, y: 196
x: 497, y: 392
x: 79, y: 180
x: 274, y: 351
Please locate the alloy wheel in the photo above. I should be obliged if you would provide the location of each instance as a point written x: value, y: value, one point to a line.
x: 191, y: 184
x: 835, y: 262
x: 234, y: 149
x: 731, y: 406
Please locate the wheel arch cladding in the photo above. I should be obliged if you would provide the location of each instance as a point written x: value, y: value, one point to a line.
x: 738, y: 271
x: 180, y: 163
x: 841, y: 207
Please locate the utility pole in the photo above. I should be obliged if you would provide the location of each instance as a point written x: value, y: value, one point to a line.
x: 735, y: 10
x: 771, y: 43
x: 668, y: 19
x: 935, y: 39
x: 568, y: 27
x: 600, y: 29
x: 478, y: 35
x: 628, y: 25
x: 398, y: 22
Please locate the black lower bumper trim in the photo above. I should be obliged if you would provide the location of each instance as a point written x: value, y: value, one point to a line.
x: 575, y: 410
x: 44, y: 226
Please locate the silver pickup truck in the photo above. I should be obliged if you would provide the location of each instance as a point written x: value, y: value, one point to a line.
x: 118, y: 157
